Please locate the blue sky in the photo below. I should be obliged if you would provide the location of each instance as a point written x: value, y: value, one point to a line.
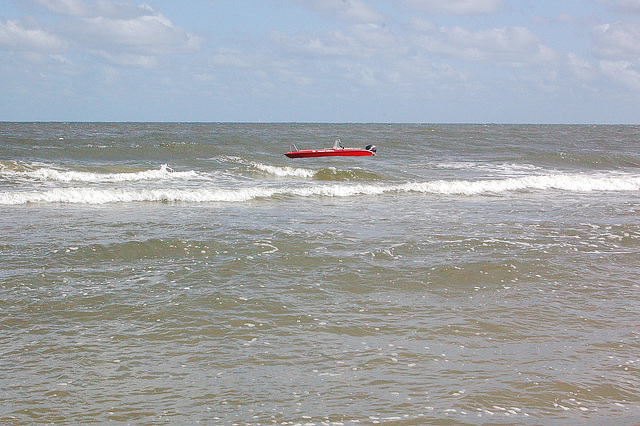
x: 429, y: 61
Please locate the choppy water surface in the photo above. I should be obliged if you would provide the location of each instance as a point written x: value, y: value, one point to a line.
x: 184, y: 273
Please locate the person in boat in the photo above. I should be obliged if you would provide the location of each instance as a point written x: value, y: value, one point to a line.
x: 338, y: 144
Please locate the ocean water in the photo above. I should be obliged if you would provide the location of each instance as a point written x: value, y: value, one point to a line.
x: 190, y: 273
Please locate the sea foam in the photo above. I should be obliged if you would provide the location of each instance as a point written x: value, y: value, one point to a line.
x: 106, y: 196
x: 279, y: 171
x: 284, y: 171
x: 568, y: 183
x: 53, y: 175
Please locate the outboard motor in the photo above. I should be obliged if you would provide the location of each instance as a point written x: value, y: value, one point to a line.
x: 371, y: 148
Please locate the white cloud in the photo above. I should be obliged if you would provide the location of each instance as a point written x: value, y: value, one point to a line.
x: 361, y: 41
x: 313, y: 45
x: 456, y: 7
x: 580, y: 67
x: 350, y: 10
x: 406, y: 52
x: 230, y: 59
x: 628, y: 5
x: 511, y: 45
x: 150, y: 34
x: 378, y: 39
x: 618, y: 41
x: 119, y: 33
x: 14, y: 36
x: 128, y: 59
x: 417, y: 69
x: 621, y: 72
x: 347, y: 10
x: 65, y: 7
x: 82, y: 8
x: 624, y: 6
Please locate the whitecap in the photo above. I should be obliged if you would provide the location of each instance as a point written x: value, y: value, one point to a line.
x: 54, y: 175
x: 279, y: 171
x: 284, y: 171
x: 105, y: 196
x: 570, y: 183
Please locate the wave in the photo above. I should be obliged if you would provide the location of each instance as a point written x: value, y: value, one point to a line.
x: 278, y: 171
x: 500, y: 169
x: 357, y: 174
x: 328, y: 173
x: 284, y: 171
x: 589, y: 160
x: 106, y: 196
x: 569, y: 183
x: 50, y: 174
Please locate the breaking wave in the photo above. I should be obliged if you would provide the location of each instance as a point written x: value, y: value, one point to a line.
x: 499, y: 169
x: 51, y: 174
x: 568, y: 183
x: 284, y: 171
x: 328, y: 173
x: 356, y: 174
x: 278, y: 171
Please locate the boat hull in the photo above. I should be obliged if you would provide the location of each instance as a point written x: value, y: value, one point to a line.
x: 330, y: 152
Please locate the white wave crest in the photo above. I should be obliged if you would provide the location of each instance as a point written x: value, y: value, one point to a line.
x: 502, y: 168
x: 284, y: 171
x: 279, y: 171
x: 107, y: 196
x: 49, y: 174
x: 570, y: 183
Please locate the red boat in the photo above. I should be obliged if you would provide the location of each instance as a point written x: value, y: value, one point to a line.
x: 337, y: 151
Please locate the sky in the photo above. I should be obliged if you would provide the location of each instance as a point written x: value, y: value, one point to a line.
x: 391, y: 61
